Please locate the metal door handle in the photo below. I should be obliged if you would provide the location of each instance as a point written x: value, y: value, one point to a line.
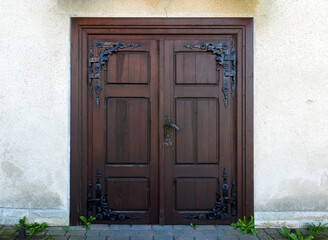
x: 172, y: 125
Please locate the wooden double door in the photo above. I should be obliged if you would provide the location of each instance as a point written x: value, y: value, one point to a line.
x: 162, y: 124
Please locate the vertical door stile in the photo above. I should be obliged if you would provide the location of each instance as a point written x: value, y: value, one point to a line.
x: 161, y: 170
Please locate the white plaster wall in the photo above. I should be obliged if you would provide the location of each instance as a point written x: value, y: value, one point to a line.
x: 291, y: 82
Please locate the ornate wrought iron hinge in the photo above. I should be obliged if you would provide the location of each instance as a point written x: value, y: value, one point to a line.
x: 221, y: 212
x: 224, y: 60
x: 96, y: 63
x: 100, y: 202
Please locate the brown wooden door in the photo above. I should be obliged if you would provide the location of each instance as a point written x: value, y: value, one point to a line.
x: 160, y: 108
x: 206, y: 142
x: 124, y: 129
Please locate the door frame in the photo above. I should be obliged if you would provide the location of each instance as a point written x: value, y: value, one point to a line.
x: 242, y: 28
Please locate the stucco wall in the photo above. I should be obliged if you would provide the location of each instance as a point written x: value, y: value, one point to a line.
x: 291, y: 82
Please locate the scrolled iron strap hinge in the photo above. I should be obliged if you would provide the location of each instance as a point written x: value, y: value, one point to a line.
x: 96, y: 63
x: 223, y: 60
x: 101, y: 204
x: 220, y: 212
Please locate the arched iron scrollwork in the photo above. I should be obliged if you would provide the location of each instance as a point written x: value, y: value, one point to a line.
x: 98, y: 62
x: 100, y: 202
x: 221, y: 210
x: 224, y: 60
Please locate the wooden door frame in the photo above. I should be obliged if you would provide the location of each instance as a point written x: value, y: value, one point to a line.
x: 242, y: 28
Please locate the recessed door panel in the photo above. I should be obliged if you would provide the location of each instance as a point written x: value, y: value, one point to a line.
x: 128, y: 130
x: 129, y: 68
x: 128, y: 193
x: 194, y: 194
x: 195, y: 68
x: 197, y: 143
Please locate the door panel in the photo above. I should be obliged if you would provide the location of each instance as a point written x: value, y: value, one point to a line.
x: 127, y: 130
x: 198, y: 143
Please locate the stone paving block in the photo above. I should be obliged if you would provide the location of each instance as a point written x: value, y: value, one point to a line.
x: 58, y: 237
x: 248, y: 237
x: 119, y: 227
x: 274, y: 233
x: 76, y: 233
x: 164, y: 227
x: 140, y: 227
x: 231, y: 232
x: 109, y: 233
x: 81, y: 228
x: 223, y: 227
x: 182, y: 227
x: 263, y: 235
x: 6, y: 237
x: 99, y: 227
x: 214, y: 232
x: 206, y: 227
x: 56, y: 232
x: 167, y: 232
x: 56, y: 228
x: 93, y: 233
x: 7, y: 232
x: 77, y: 238
x: 143, y: 232
x: 320, y: 237
x: 206, y: 237
x: 184, y: 238
x: 163, y: 237
x: 190, y: 232
x: 231, y: 237
x: 96, y: 238
x: 125, y: 233
x: 143, y: 237
x: 119, y: 238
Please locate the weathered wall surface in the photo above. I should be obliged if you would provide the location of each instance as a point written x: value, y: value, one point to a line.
x: 291, y: 136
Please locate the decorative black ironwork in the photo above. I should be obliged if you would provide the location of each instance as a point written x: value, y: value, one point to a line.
x: 101, y: 204
x: 96, y: 63
x: 224, y: 60
x: 220, y: 212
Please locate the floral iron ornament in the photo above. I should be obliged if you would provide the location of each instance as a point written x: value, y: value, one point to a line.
x: 103, y: 212
x: 224, y: 60
x: 96, y: 63
x: 221, y: 210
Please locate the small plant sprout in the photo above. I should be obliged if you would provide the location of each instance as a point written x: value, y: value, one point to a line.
x: 87, y: 222
x: 194, y: 226
x: 294, y: 236
x: 66, y: 228
x: 245, y: 226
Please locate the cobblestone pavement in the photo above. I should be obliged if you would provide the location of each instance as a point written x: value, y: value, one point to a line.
x: 149, y: 232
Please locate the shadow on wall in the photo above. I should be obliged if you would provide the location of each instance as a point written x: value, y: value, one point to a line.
x: 160, y: 8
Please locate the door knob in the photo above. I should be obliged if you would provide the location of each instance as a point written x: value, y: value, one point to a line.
x: 172, y: 125
x: 168, y: 130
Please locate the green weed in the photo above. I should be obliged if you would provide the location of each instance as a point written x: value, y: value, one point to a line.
x: 66, y: 228
x: 317, y: 229
x: 245, y: 226
x: 30, y: 229
x: 293, y: 236
x: 86, y: 221
x: 193, y: 226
